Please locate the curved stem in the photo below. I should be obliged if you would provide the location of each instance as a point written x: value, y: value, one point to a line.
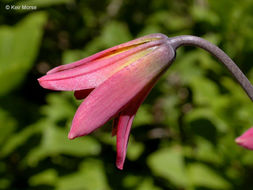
x: 187, y: 40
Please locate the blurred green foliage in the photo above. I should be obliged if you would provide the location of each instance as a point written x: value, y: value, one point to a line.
x: 183, y: 134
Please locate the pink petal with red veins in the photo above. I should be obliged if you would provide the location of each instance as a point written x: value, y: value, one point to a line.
x: 77, y: 76
x: 246, y: 139
x: 109, y: 98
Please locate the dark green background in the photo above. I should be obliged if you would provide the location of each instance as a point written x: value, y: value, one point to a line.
x: 183, y: 135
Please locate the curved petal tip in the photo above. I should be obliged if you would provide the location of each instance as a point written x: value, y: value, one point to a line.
x: 71, y: 136
x: 120, y: 165
x: 246, y: 139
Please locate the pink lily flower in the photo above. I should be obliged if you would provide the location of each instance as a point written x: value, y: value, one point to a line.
x: 246, y: 139
x: 116, y: 81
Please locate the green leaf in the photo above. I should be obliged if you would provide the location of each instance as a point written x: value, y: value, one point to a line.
x: 205, y: 151
x: 186, y: 66
x: 60, y: 106
x: 7, y: 126
x: 72, y: 55
x: 18, y: 139
x: 90, y: 176
x: 203, y: 176
x: 112, y: 28
x: 143, y: 116
x: 139, y: 183
x: 47, y: 177
x: 147, y: 184
x: 173, y: 21
x: 4, y: 183
x: 203, y: 14
x: 135, y: 149
x: 107, y: 37
x: 204, y: 91
x: 169, y: 163
x: 208, y: 114
x: 55, y: 142
x: 18, y: 49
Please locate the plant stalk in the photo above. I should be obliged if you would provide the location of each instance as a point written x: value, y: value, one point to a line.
x: 187, y: 40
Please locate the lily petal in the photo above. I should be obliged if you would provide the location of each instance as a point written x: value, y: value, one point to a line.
x: 124, y: 124
x: 124, y: 127
x: 246, y: 139
x: 109, y: 51
x: 92, y: 71
x: 111, y: 96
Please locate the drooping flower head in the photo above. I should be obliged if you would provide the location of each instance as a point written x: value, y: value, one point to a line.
x: 116, y: 81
